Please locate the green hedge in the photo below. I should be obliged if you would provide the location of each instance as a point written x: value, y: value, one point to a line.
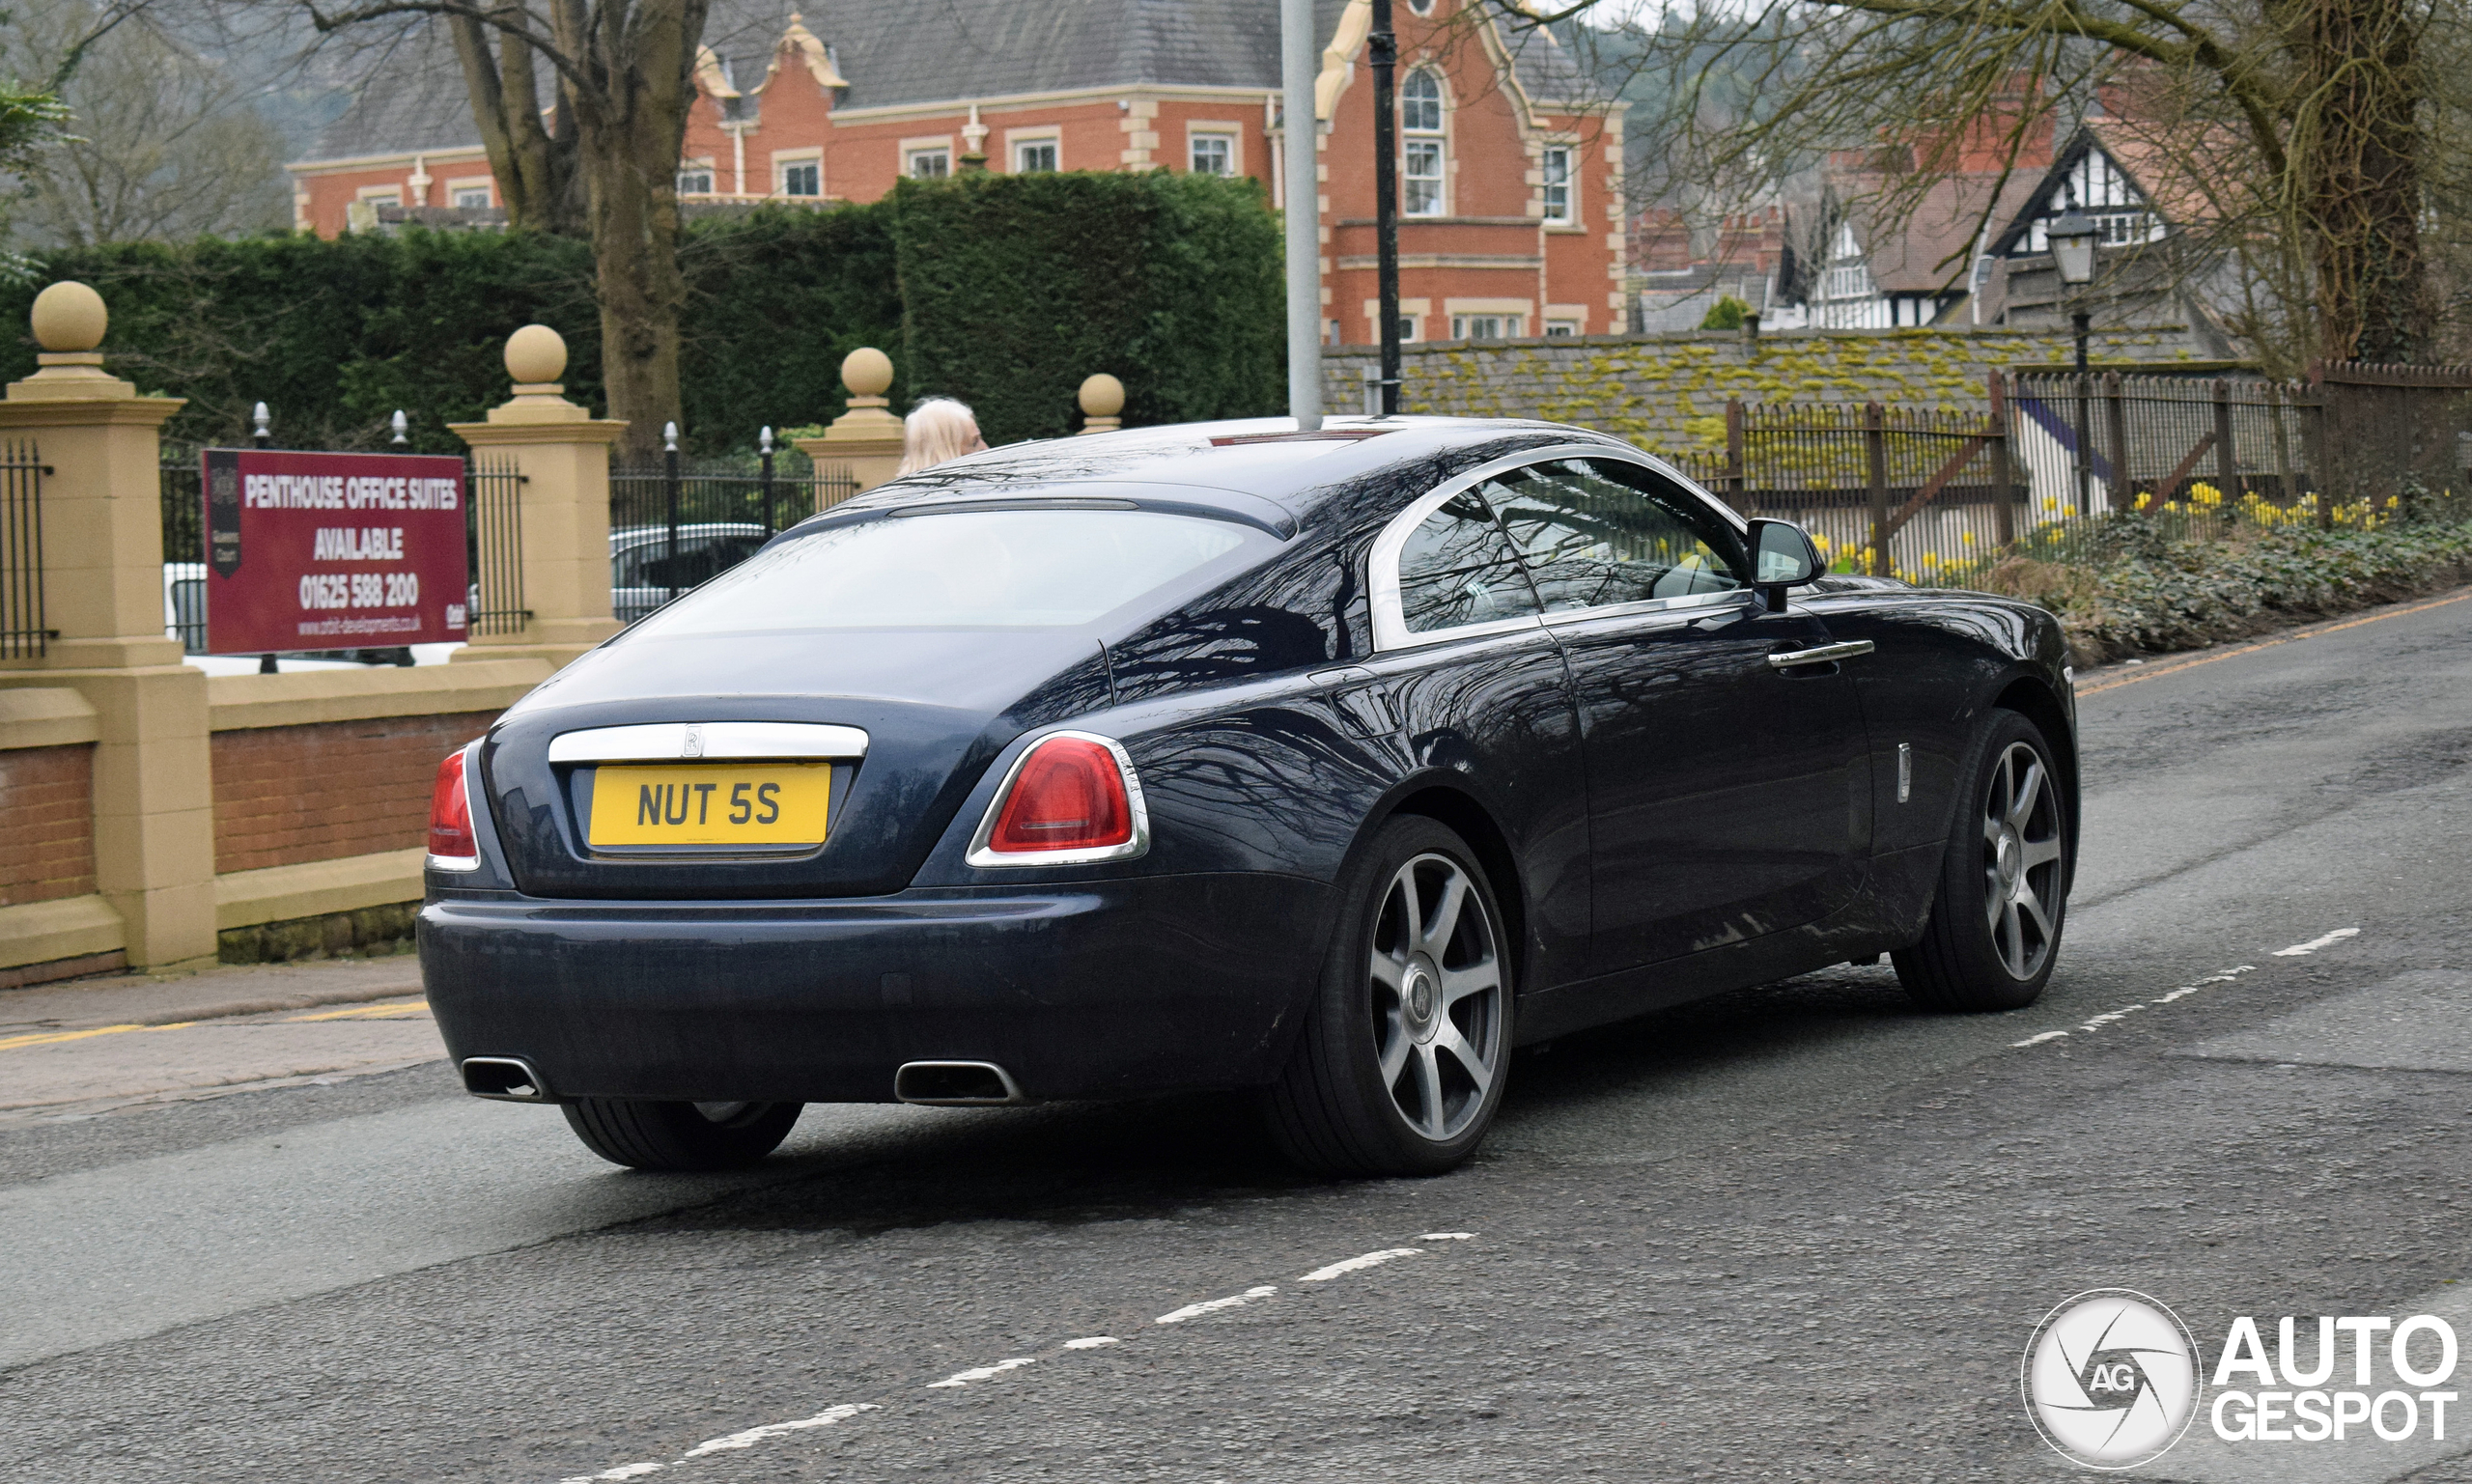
x: 1015, y: 286
x: 1003, y: 291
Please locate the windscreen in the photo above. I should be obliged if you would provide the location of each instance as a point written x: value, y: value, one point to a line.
x: 986, y: 569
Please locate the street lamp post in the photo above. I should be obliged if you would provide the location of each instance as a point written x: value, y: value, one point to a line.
x: 2072, y: 253
x: 1383, y: 49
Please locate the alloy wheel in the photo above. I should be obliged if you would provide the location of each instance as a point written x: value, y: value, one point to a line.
x: 2021, y: 860
x: 1437, y: 987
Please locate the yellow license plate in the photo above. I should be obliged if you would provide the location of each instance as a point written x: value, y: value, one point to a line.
x: 711, y: 803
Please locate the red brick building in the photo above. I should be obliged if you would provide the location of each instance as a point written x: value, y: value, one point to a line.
x: 1509, y: 159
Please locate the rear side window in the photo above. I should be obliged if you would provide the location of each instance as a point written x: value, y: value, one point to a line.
x: 1596, y: 532
x: 979, y: 568
x: 1457, y: 568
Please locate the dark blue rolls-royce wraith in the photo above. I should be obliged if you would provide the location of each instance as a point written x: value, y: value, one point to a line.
x: 1334, y: 764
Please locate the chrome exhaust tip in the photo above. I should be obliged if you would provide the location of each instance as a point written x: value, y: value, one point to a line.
x: 507, y: 1079
x: 957, y: 1085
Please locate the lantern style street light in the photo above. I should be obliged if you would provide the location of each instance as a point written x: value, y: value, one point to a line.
x: 2072, y: 253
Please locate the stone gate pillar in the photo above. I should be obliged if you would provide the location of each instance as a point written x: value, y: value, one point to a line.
x: 562, y: 505
x: 103, y: 590
x: 867, y: 438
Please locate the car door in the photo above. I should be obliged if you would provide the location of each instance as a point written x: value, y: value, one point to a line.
x: 1728, y: 785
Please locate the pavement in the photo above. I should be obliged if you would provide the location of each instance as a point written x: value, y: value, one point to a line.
x: 1802, y: 1231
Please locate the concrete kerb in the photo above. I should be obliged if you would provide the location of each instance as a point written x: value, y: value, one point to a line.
x: 210, y: 995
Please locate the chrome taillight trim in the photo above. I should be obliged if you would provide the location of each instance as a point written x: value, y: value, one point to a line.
x: 985, y: 859
x: 471, y: 819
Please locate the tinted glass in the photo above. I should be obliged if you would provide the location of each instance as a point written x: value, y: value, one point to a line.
x: 1458, y: 568
x: 994, y: 568
x: 1599, y: 531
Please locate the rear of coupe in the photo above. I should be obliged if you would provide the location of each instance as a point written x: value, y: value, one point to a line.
x: 859, y: 820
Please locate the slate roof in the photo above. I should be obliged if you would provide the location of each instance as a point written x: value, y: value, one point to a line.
x: 931, y: 51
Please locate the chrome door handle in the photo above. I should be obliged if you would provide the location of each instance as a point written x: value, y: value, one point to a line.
x: 1825, y: 654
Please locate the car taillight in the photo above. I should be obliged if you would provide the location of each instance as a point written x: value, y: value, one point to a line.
x: 1072, y: 797
x: 451, y: 846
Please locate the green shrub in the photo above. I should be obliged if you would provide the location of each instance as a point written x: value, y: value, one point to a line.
x: 2144, y: 593
x: 1726, y: 314
x: 1015, y: 286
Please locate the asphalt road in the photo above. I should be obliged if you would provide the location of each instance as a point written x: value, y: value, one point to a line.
x: 1797, y: 1232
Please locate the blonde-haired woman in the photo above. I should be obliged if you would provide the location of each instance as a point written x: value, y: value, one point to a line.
x: 936, y: 430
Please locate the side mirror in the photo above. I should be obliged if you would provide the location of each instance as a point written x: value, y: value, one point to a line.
x: 1782, y: 556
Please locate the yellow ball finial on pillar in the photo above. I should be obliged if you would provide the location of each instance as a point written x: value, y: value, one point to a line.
x: 69, y: 317
x: 1102, y: 397
x: 536, y: 357
x: 867, y: 371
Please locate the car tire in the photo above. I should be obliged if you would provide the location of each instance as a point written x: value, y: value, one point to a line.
x: 678, y: 1136
x: 1400, y: 1064
x: 1995, y: 926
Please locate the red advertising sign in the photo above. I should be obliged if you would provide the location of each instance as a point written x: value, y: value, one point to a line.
x: 307, y: 552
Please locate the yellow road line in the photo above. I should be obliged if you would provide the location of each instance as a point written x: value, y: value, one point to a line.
x: 55, y: 1037
x: 366, y: 1012
x: 2158, y: 672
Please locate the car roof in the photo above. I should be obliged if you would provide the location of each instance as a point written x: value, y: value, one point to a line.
x: 1260, y: 470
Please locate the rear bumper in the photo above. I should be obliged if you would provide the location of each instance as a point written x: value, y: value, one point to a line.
x: 1105, y: 990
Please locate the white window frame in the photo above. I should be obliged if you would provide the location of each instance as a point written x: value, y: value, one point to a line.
x: 1436, y: 138
x: 1391, y: 630
x: 380, y: 195
x: 1015, y: 141
x: 1514, y: 326
x: 1568, y: 185
x: 784, y: 162
x: 1195, y: 138
x: 702, y: 167
x: 485, y: 185
x: 910, y: 160
x: 1561, y: 329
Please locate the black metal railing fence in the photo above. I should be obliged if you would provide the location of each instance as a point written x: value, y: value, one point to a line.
x: 25, y: 628
x: 677, y: 524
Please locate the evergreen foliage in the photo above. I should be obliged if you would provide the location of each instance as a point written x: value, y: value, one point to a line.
x: 1015, y: 286
x: 1726, y: 314
x: 1003, y: 291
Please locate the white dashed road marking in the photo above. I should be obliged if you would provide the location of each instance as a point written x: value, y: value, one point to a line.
x: 847, y: 1410
x: 981, y: 1372
x: 1214, y: 1306
x: 1359, y: 1264
x: 755, y: 1435
x: 2108, y: 1016
x: 2299, y: 950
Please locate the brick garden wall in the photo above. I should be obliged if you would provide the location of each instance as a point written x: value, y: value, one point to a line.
x: 1667, y: 393
x: 320, y: 792
x: 47, y: 819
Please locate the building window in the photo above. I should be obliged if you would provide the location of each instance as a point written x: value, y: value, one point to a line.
x: 475, y: 198
x: 1035, y: 156
x: 1420, y: 183
x: 382, y: 196
x: 1213, y: 154
x: 1560, y: 329
x: 931, y: 164
x: 1558, y: 184
x: 802, y: 177
x: 1484, y: 327
x: 693, y: 181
